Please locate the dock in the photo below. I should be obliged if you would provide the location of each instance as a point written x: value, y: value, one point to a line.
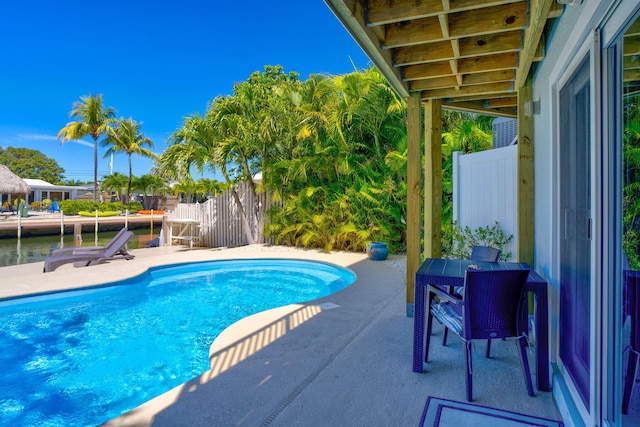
x: 44, y: 224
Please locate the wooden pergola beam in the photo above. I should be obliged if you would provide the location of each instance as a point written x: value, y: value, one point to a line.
x: 433, y: 178
x: 488, y: 89
x: 381, y: 12
x: 489, y: 44
x: 351, y: 15
x: 525, y: 189
x: 480, y: 108
x: 414, y: 195
x: 540, y: 10
x: 498, y: 19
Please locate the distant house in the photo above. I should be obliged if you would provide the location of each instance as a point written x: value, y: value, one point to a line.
x: 41, y: 190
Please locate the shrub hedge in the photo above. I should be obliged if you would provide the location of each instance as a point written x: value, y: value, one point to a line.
x: 72, y: 207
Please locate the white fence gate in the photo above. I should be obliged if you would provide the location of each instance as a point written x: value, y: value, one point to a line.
x: 219, y: 220
x: 485, y: 190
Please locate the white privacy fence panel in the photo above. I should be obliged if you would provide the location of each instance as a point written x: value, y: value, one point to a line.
x: 485, y: 190
x: 220, y: 218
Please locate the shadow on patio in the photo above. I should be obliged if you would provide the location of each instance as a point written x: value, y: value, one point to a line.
x: 342, y: 360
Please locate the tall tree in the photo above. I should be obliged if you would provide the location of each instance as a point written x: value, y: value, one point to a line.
x: 28, y: 163
x: 125, y: 137
x: 151, y: 186
x: 116, y: 182
x: 92, y: 119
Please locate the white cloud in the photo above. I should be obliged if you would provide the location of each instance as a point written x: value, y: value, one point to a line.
x: 81, y: 142
x: 36, y: 136
x: 41, y: 137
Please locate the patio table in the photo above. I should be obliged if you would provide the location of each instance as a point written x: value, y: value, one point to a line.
x: 450, y: 272
x: 184, y: 229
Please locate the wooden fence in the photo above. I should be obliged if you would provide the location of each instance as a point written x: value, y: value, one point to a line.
x: 220, y: 220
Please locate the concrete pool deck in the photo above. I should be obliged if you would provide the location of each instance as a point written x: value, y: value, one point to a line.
x: 341, y: 360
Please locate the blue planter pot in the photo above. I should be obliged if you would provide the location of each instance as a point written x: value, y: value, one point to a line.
x: 377, y: 251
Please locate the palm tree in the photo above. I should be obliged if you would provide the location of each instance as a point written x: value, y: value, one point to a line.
x: 116, y: 182
x: 150, y: 186
x: 92, y: 119
x: 209, y: 187
x: 125, y: 137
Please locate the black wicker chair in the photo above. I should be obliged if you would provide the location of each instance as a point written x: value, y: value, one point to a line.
x: 491, y: 307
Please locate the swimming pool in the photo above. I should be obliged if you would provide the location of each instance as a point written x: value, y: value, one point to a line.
x: 83, y: 357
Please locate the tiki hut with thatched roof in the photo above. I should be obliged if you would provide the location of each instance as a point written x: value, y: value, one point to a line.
x: 11, y: 183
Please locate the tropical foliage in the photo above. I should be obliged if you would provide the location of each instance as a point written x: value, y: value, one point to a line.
x: 458, y: 241
x: 151, y: 187
x: 326, y: 149
x: 466, y: 133
x: 91, y: 119
x: 116, y: 183
x: 73, y: 207
x: 331, y: 152
x: 125, y: 136
x: 28, y: 163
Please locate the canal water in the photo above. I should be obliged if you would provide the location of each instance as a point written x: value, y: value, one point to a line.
x: 34, y: 249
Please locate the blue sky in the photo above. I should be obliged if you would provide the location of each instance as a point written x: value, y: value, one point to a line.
x: 156, y: 61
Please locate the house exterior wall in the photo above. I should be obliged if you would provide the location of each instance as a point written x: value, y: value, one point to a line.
x: 574, y: 36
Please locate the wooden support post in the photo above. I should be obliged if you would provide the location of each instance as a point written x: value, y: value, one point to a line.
x: 414, y: 135
x: 525, y: 190
x: 433, y: 179
x: 77, y: 234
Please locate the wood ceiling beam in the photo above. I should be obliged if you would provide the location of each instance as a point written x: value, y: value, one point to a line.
x: 479, y: 108
x: 455, y: 45
x: 488, y: 20
x: 556, y: 10
x: 488, y: 63
x: 427, y: 71
x: 503, y: 61
x: 488, y: 90
x: 502, y: 102
x: 381, y: 12
x: 539, y: 10
x: 482, y: 98
x: 351, y: 15
x: 489, y: 44
x: 431, y: 52
x: 464, y: 80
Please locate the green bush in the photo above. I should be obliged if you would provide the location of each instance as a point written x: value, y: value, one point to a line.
x: 135, y: 207
x: 46, y: 203
x: 35, y: 206
x: 73, y: 207
x: 458, y: 241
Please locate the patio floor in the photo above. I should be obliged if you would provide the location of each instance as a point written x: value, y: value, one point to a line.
x: 342, y: 360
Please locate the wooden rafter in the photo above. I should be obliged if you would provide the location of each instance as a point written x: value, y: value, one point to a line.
x: 466, y: 52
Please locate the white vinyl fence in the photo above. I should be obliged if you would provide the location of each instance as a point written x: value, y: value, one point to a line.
x: 485, y: 190
x: 219, y: 221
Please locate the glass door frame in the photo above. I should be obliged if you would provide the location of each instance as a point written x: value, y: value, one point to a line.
x: 613, y: 27
x: 564, y: 388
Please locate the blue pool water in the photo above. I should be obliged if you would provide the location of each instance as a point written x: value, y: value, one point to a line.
x: 83, y: 357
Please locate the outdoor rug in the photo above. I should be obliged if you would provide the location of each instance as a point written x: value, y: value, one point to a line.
x: 449, y: 413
